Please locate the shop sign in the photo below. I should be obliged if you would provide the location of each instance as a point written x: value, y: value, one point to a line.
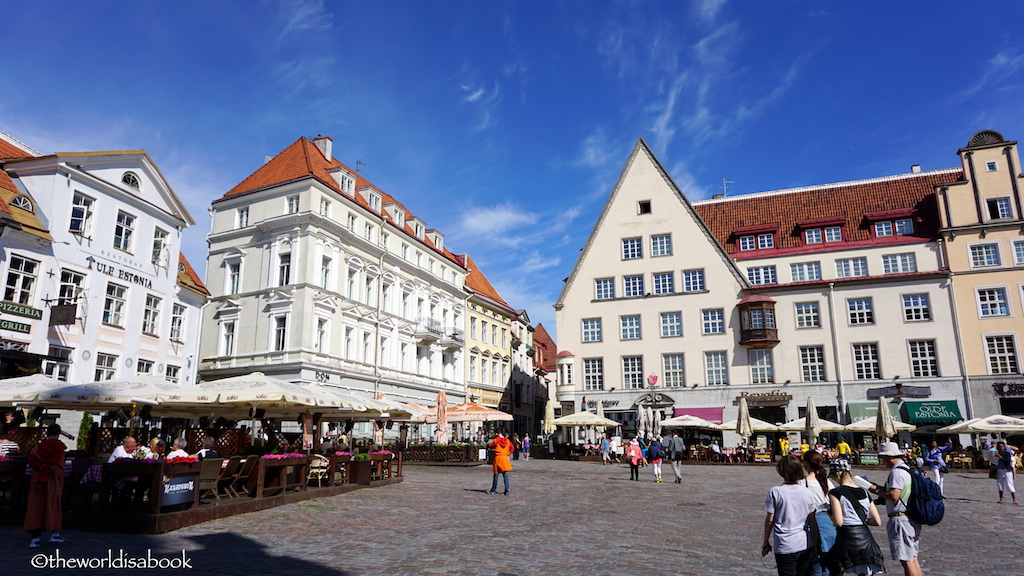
x: 1011, y: 389
x: 180, y: 489
x: 19, y: 310
x: 15, y: 326
x: 122, y: 274
x: 763, y: 457
x: 604, y: 403
x: 900, y: 390
x: 63, y: 314
x: 773, y: 398
x: 933, y: 411
x: 868, y: 459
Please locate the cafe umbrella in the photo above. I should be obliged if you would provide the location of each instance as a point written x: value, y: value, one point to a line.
x: 743, y: 425
x: 442, y: 417
x: 549, y: 415
x: 885, y: 428
x: 812, y: 424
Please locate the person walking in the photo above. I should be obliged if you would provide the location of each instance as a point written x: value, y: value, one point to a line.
x: 789, y: 508
x: 903, y: 533
x: 503, y: 448
x: 933, y: 457
x: 843, y: 450
x: 655, y: 454
x: 46, y: 488
x: 517, y: 446
x: 816, y: 480
x: 854, y: 550
x: 526, y: 446
x: 676, y: 448
x: 1004, y: 471
x: 606, y: 449
x: 634, y: 456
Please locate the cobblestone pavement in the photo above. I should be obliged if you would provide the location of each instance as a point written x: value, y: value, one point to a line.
x: 563, y: 518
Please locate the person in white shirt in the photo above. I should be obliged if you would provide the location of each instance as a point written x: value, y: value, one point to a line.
x: 904, y: 534
x: 125, y: 450
x: 178, y: 449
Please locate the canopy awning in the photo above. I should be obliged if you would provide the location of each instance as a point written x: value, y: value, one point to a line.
x: 933, y: 411
x: 712, y: 414
x: 865, y: 410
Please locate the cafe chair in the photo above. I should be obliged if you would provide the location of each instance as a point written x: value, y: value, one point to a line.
x: 209, y: 475
x: 236, y: 487
x: 318, y: 470
x: 227, y: 475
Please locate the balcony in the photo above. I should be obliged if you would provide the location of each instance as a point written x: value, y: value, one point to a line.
x: 428, y: 331
x: 452, y: 339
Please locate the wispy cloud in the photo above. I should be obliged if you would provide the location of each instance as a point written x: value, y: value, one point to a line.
x: 595, y: 151
x: 299, y: 18
x: 707, y: 10
x: 483, y: 96
x: 1003, y: 65
x: 495, y: 221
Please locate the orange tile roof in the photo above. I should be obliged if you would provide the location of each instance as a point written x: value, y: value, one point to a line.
x: 477, y: 282
x: 9, y: 150
x: 843, y: 202
x: 541, y: 337
x: 189, y: 279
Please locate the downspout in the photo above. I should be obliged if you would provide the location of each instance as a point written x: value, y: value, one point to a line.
x: 1013, y: 179
x: 377, y: 376
x: 841, y: 392
x: 965, y: 379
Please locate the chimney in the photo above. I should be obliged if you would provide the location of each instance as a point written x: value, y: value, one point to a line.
x: 915, y: 168
x: 324, y: 144
x: 717, y: 196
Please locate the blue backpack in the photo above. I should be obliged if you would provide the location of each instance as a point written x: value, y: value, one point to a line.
x: 924, y: 505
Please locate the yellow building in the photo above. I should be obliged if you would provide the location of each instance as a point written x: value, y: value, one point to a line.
x: 488, y: 339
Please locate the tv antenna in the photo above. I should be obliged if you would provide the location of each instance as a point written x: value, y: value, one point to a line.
x: 725, y: 186
x: 358, y: 164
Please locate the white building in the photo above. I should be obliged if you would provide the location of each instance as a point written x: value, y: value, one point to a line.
x: 110, y: 296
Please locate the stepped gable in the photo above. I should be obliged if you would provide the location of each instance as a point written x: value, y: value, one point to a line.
x: 850, y: 201
x: 188, y: 278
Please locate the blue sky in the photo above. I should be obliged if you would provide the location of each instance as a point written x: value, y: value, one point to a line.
x: 504, y: 124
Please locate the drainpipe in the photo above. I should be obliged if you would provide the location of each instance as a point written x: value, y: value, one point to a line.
x: 841, y: 392
x: 377, y: 376
x: 965, y: 379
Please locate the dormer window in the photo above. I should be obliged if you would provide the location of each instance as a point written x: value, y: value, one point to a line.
x: 765, y: 241
x: 901, y: 227
x: 130, y: 179
x: 759, y: 237
x: 345, y: 182
x: 437, y: 239
x: 23, y: 202
x: 418, y: 230
x: 373, y: 199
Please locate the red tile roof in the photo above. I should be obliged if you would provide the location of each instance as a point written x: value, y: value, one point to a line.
x: 477, y: 282
x: 10, y: 150
x: 843, y: 202
x: 189, y: 279
x: 542, y: 338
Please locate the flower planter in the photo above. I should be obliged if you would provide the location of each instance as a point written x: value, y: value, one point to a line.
x: 359, y: 471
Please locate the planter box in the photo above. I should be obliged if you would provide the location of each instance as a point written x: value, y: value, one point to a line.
x: 359, y: 471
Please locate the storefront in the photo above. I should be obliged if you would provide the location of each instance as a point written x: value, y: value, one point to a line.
x: 930, y: 415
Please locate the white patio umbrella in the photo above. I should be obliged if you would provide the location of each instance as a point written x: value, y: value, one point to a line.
x: 658, y: 417
x: 549, y: 416
x: 687, y: 421
x: 104, y: 394
x: 473, y: 412
x: 649, y: 421
x: 997, y: 423
x: 812, y: 423
x: 957, y: 428
x: 27, y: 389
x: 584, y: 419
x: 800, y: 424
x: 600, y: 409
x: 744, y: 427
x: 870, y: 424
x: 755, y: 426
x: 885, y: 428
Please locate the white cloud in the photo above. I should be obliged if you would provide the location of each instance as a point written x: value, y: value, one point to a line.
x: 495, y: 219
x: 595, y: 151
x: 303, y: 17
x: 1004, y: 64
x: 708, y: 9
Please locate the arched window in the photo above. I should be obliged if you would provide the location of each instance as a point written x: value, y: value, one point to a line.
x: 130, y: 179
x: 22, y: 201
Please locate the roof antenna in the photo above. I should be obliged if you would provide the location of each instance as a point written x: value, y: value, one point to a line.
x: 358, y: 164
x: 725, y: 186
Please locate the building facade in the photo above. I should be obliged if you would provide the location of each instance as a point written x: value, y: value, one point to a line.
x: 488, y: 340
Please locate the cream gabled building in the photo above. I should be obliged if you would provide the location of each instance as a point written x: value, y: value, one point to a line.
x: 319, y: 276
x: 836, y: 292
x: 488, y: 340
x: 983, y: 230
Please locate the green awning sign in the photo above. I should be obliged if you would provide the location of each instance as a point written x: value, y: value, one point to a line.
x: 933, y: 411
x: 864, y: 410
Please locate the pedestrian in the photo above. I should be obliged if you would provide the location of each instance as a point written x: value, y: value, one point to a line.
x: 783, y: 446
x: 634, y: 456
x: 816, y: 480
x: 517, y: 446
x: 503, y: 448
x: 904, y: 534
x: 526, y: 446
x: 676, y: 448
x: 789, y: 508
x: 855, y: 550
x: 1004, y: 471
x: 46, y: 488
x: 933, y: 457
x: 843, y: 450
x: 655, y: 454
x: 606, y: 448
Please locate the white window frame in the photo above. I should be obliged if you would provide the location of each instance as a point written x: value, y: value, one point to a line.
x: 1018, y: 252
x: 105, y: 367
x: 630, y: 327
x: 852, y: 267
x: 161, y: 248
x: 22, y: 275
x: 716, y: 367
x: 805, y: 271
x: 813, y: 236
x: 227, y: 337
x: 633, y: 285
x: 812, y: 363
x: 833, y: 233
x: 758, y: 275
x: 924, y: 358
x: 762, y: 366
x: 284, y: 269
x: 987, y: 251
x: 747, y: 243
x: 632, y: 248
x: 278, y: 333
x: 661, y: 245
x: 860, y: 311
x: 674, y: 369
x: 916, y: 307
x: 985, y: 303
x: 151, y: 315
x: 59, y: 369
x: 1003, y: 206
x: 178, y: 312
x: 903, y: 227
x: 808, y: 315
x: 1010, y: 358
x: 124, y: 231
x: 712, y: 321
x: 693, y: 280
x: 765, y: 241
x: 671, y: 324
x: 866, y: 367
x: 899, y: 263
x: 242, y: 217
x: 292, y: 204
x: 883, y: 229
x: 81, y: 214
x: 604, y: 288
x: 71, y: 282
x: 664, y: 282
x: 593, y: 373
x: 114, y: 304
x: 632, y: 372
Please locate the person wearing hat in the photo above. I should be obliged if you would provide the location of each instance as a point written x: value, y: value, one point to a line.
x: 904, y: 534
x: 851, y: 510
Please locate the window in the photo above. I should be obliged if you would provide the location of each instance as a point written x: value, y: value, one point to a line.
x: 633, y: 285
x: 812, y: 363
x: 671, y: 324
x: 320, y: 337
x: 325, y: 273
x: 664, y: 283
x: 242, y: 217
x: 130, y: 179
x: 373, y: 199
x: 851, y: 267
x: 1002, y: 355
x: 1018, y: 252
x: 227, y: 339
x: 984, y: 255
x: 106, y: 366
x: 144, y: 367
x: 494, y: 335
x: 58, y: 366
x: 915, y: 308
x: 21, y: 279
x: 833, y: 234
x: 113, y: 305
x: 504, y: 337
x: 883, y: 229
x: 171, y: 373
x: 234, y: 277
x: 693, y: 280
x: 23, y: 202
x: 760, y: 318
x: 604, y: 288
x: 762, y: 369
x: 280, y: 332
x: 405, y: 252
x: 716, y: 368
x: 123, y: 231
x: 748, y: 243
x: 674, y: 370
x: 904, y: 227
x: 593, y: 373
x: 472, y: 328
x: 991, y: 166
x: 368, y: 232
x: 350, y: 222
x: 992, y: 302
x: 178, y: 323
x: 161, y: 252
x: 472, y: 368
x: 483, y: 332
x: 765, y: 241
x: 998, y: 208
x: 643, y: 207
x: 713, y: 321
x: 861, y: 311
x: 630, y: 327
x: 385, y: 239
x: 325, y: 207
x: 812, y: 236
x: 151, y: 315
x: 865, y: 362
x: 899, y: 263
x: 661, y: 245
x: 762, y: 275
x: 632, y: 248
x: 81, y: 213
x: 284, y: 270
x: 807, y: 315
x: 292, y: 205
x: 805, y: 271
x: 923, y: 362
x: 632, y: 372
x: 70, y: 286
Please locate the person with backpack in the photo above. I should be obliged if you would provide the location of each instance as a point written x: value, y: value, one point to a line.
x: 904, y: 533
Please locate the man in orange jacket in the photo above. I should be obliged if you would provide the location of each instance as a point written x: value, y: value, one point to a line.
x: 502, y: 447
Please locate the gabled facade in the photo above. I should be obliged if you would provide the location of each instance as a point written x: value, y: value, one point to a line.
x: 489, y: 340
x: 320, y: 276
x: 836, y: 292
x: 111, y: 295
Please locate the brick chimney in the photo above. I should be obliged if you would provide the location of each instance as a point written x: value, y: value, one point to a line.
x: 324, y: 144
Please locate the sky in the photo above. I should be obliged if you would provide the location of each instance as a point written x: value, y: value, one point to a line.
x: 505, y: 124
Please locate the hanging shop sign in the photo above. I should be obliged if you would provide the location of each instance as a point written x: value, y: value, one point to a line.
x: 765, y: 399
x: 19, y: 310
x: 1008, y: 389
x: 933, y: 411
x: 15, y: 326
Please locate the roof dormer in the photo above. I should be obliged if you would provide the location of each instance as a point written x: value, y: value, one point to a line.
x: 345, y: 180
x: 373, y: 197
x: 396, y: 213
x: 418, y: 227
x: 437, y: 238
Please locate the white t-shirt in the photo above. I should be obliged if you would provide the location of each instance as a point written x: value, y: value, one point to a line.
x: 179, y: 453
x: 820, y: 498
x: 118, y: 452
x: 899, y: 477
x: 791, y: 504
